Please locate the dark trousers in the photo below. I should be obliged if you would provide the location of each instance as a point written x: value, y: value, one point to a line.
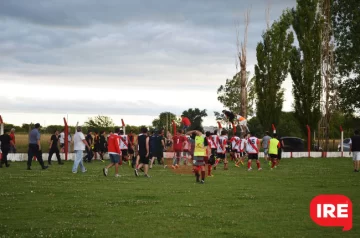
x: 34, y: 151
x: 5, y: 153
x: 56, y: 152
x: 89, y: 154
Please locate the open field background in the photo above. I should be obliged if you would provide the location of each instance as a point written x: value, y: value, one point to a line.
x: 234, y: 203
x: 22, y: 143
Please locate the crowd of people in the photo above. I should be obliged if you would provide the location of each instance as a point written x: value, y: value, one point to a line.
x: 141, y: 152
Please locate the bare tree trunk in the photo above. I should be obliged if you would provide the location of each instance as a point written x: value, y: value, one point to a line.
x: 241, y: 54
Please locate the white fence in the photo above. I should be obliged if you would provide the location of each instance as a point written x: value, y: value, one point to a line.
x: 71, y: 156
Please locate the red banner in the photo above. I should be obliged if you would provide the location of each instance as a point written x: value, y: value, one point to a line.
x: 66, y: 139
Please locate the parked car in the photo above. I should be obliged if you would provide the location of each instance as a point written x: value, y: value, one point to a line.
x: 346, y: 145
x: 293, y: 144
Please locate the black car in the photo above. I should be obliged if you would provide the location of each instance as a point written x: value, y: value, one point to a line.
x: 293, y: 144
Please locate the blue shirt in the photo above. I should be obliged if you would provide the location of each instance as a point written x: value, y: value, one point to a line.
x: 34, y: 136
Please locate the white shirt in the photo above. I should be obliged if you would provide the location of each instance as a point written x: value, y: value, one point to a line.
x: 252, y: 142
x: 78, y: 141
x: 242, y: 144
x: 235, y: 143
x: 62, y: 137
x: 124, y: 146
x: 222, y: 143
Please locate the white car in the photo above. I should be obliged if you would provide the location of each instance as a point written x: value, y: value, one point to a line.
x: 346, y: 145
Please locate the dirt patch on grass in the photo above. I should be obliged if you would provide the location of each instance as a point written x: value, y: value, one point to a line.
x: 182, y: 169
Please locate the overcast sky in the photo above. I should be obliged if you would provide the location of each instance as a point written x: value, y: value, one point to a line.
x: 126, y: 59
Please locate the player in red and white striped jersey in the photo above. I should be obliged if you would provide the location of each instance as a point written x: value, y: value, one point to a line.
x: 235, y: 143
x: 221, y: 149
x: 242, y: 148
x: 252, y: 149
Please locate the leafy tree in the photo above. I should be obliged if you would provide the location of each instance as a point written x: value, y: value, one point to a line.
x: 230, y: 92
x: 99, y: 123
x: 164, y: 120
x: 272, y: 54
x: 196, y: 118
x: 346, y: 28
x: 288, y: 125
x: 305, y: 68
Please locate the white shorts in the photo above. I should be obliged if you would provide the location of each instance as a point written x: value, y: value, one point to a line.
x: 242, y: 123
x: 356, y: 155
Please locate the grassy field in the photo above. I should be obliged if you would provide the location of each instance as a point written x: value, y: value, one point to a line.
x: 234, y: 203
x: 22, y: 141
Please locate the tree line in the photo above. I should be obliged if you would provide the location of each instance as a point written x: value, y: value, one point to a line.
x: 294, y: 45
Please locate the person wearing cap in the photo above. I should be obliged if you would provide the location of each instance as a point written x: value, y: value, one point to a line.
x: 5, y: 142
x: 12, y: 142
x: 35, y: 147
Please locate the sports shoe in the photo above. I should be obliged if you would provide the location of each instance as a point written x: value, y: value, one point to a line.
x: 202, y: 182
x: 259, y: 169
x: 105, y: 171
x: 242, y: 162
x: 177, y: 166
x: 103, y: 161
x: 8, y: 165
x: 147, y: 176
x: 211, y: 175
x: 117, y: 175
x: 250, y: 169
x: 165, y: 166
x: 136, y: 172
x: 84, y: 171
x: 215, y: 168
x: 45, y: 167
x: 237, y: 166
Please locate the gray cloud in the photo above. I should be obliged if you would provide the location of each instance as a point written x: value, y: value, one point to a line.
x: 168, y: 44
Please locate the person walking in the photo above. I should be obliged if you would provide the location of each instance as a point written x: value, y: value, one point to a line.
x: 35, y: 147
x: 89, y: 140
x: 54, y: 148
x: 265, y: 145
x: 5, y: 145
x: 355, y: 150
x: 114, y: 153
x: 79, y: 147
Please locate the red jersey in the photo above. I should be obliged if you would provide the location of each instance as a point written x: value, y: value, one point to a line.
x: 178, y: 142
x: 186, y: 121
x: 12, y: 136
x: 113, y: 144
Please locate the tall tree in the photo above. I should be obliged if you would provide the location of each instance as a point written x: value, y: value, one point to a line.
x: 164, y: 120
x: 346, y: 28
x: 196, y: 118
x: 305, y: 65
x: 272, y: 54
x: 228, y: 94
x: 241, y: 56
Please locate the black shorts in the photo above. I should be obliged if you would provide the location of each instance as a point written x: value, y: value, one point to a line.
x: 221, y: 156
x: 131, y: 151
x: 157, y: 154
x: 242, y: 154
x: 273, y: 156
x: 213, y: 151
x: 124, y: 152
x: 144, y: 159
x: 253, y: 156
x: 62, y: 145
x: 234, y: 150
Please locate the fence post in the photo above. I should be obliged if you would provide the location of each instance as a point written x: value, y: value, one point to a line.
x: 342, y: 141
x: 220, y: 127
x: 174, y: 127
x: 66, y: 140
x: 309, y: 139
x: 123, y: 126
x: 273, y: 128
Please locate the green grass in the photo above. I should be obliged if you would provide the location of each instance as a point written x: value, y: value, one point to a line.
x: 234, y: 203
